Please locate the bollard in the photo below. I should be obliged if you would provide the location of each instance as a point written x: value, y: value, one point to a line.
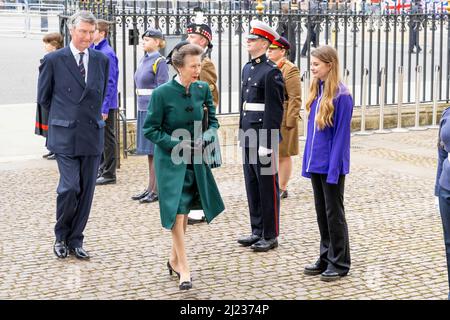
x: 400, y: 102
x: 437, y: 70
x: 382, y: 96
x: 306, y: 82
x: 417, y: 115
x: 363, y: 131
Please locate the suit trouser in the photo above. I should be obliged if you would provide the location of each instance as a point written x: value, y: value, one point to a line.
x: 444, y: 208
x: 109, y: 161
x: 334, y: 240
x: 75, y: 193
x: 262, y: 194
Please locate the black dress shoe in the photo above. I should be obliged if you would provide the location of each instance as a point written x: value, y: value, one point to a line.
x: 60, y: 249
x: 329, y: 276
x: 264, y: 245
x: 284, y: 194
x: 102, y: 181
x: 151, y: 197
x: 48, y: 154
x: 80, y: 253
x: 51, y: 157
x: 186, y: 285
x: 316, y: 268
x: 249, y: 240
x: 141, y: 195
x: 172, y: 270
x: 192, y: 221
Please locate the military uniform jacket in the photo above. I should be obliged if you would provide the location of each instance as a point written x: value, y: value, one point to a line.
x: 171, y: 109
x: 208, y: 74
x: 261, y: 101
x: 292, y: 105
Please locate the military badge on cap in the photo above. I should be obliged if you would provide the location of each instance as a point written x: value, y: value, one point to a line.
x: 261, y: 30
x: 153, y: 33
x: 201, y: 29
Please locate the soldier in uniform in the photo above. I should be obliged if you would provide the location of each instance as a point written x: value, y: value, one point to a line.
x: 278, y: 53
x: 261, y: 112
x: 200, y: 34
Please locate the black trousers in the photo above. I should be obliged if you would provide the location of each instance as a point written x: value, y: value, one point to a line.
x: 261, y: 184
x: 109, y: 161
x: 311, y: 36
x: 334, y: 240
x: 75, y: 194
x: 414, y: 36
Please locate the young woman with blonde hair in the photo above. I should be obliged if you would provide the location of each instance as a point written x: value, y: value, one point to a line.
x: 326, y: 161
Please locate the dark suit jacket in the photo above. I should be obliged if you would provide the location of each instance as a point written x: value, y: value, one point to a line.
x: 75, y: 119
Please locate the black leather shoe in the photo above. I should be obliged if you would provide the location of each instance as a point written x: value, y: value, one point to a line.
x: 284, y: 194
x: 196, y: 221
x: 316, y: 268
x: 249, y: 240
x: 80, y: 253
x: 172, y: 270
x: 186, y: 285
x: 141, y: 195
x: 151, y: 197
x: 51, y: 157
x: 47, y: 154
x: 329, y: 276
x: 102, y: 181
x: 264, y: 245
x: 60, y: 249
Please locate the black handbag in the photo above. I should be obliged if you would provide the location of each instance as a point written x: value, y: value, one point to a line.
x: 211, y: 145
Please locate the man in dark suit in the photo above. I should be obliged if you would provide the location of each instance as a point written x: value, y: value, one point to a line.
x: 72, y: 85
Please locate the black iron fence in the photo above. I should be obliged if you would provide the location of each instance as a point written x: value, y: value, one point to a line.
x: 366, y: 37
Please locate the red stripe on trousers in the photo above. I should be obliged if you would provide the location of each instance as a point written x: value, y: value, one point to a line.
x: 41, y: 126
x: 275, y: 197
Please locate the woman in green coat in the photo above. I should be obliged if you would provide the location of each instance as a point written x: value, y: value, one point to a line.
x: 174, y: 125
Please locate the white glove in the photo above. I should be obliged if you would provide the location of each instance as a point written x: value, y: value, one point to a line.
x: 264, y: 152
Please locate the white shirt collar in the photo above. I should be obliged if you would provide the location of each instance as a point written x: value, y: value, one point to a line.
x: 177, y: 79
x: 76, y: 52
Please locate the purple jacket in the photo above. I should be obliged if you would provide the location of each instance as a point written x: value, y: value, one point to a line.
x: 327, y: 151
x: 443, y: 168
x: 110, y: 101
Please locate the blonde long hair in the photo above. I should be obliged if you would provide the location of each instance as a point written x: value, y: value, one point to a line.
x: 326, y: 54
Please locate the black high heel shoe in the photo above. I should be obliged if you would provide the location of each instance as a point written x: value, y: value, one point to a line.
x: 186, y: 285
x: 171, y: 270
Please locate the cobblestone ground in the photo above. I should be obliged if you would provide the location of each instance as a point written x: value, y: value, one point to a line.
x: 396, y: 237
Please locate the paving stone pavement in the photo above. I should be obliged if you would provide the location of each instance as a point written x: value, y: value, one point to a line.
x: 396, y: 239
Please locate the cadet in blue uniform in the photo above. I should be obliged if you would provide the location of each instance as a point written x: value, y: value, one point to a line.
x: 150, y: 74
x: 261, y: 113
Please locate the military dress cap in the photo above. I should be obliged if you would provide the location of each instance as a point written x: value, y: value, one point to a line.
x: 153, y: 33
x: 281, y: 43
x: 201, y: 29
x: 261, y: 30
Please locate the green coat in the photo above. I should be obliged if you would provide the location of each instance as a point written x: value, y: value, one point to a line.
x: 170, y: 109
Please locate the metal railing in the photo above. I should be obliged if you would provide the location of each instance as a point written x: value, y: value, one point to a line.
x: 364, y: 37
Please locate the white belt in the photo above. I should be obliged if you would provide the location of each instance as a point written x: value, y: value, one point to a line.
x: 253, y: 106
x: 144, y: 92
